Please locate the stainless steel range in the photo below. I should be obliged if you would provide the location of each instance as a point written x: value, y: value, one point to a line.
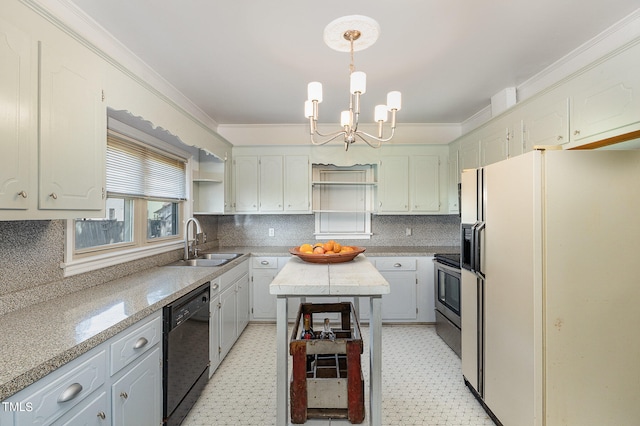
x: 447, y: 298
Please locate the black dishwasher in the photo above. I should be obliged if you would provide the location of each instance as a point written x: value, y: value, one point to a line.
x: 186, y: 353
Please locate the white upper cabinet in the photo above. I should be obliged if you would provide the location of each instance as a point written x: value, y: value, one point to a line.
x: 271, y: 183
x: 425, y: 183
x: 72, y: 130
x: 605, y: 99
x: 296, y: 184
x: 545, y: 121
x: 409, y: 184
x: 246, y: 183
x: 394, y: 184
x: 16, y: 109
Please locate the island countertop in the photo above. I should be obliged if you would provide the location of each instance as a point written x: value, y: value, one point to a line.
x: 358, y: 277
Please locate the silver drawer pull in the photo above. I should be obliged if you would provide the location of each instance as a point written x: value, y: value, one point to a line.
x: 140, y: 343
x: 264, y: 262
x: 124, y: 395
x: 53, y: 195
x: 102, y: 415
x: 397, y: 265
x: 69, y: 393
x: 215, y: 286
x: 22, y: 194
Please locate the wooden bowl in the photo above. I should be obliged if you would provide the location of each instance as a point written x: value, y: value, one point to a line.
x: 327, y: 258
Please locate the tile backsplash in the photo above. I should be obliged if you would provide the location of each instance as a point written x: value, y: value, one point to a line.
x: 292, y: 230
x: 31, y: 251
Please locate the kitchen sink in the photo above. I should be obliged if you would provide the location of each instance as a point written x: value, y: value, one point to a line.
x: 208, y: 259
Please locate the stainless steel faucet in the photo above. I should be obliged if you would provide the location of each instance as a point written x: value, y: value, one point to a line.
x: 187, y: 241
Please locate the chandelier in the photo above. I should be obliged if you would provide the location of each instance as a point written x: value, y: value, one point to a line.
x: 342, y: 35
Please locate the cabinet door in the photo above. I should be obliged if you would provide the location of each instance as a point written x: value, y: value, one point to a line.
x: 394, y: 184
x: 425, y: 183
x: 214, y: 334
x: 136, y: 397
x: 469, y: 152
x: 72, y: 131
x: 271, y: 178
x: 401, y: 303
x: 16, y: 107
x: 242, y: 303
x: 228, y: 320
x: 93, y: 413
x: 546, y: 122
x: 606, y: 100
x: 264, y: 303
x: 296, y: 184
x: 246, y: 183
x: 493, y: 145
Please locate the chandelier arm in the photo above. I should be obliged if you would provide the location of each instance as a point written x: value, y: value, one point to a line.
x: 331, y: 137
x: 360, y: 133
x: 372, y: 145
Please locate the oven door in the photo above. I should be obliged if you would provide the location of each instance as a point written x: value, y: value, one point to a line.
x: 447, y: 292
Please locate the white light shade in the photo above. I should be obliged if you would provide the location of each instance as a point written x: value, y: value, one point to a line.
x: 314, y: 91
x: 345, y: 118
x: 308, y: 109
x: 380, y: 113
x: 394, y: 100
x: 358, y: 82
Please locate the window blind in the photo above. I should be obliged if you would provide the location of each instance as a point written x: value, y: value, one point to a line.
x: 136, y: 170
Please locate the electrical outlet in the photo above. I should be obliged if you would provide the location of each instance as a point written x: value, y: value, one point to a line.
x: 408, y: 232
x: 272, y: 232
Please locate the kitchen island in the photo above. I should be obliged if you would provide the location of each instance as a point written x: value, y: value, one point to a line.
x: 358, y: 278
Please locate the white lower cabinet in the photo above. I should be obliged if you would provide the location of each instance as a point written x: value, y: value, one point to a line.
x: 231, y: 311
x: 86, y: 391
x: 140, y: 386
x: 214, y: 327
x: 93, y: 413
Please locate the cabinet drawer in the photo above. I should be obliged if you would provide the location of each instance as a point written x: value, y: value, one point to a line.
x: 396, y: 264
x: 264, y: 262
x: 135, y: 343
x: 64, y: 393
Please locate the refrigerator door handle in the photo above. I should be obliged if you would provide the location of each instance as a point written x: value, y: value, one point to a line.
x: 472, y: 255
x: 478, y: 229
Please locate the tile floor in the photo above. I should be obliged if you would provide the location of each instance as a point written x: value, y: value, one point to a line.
x: 421, y: 383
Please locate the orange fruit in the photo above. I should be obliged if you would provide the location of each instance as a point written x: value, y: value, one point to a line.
x: 306, y: 248
x: 318, y: 245
x: 346, y: 249
x: 328, y: 246
x: 318, y: 250
x: 337, y: 247
x: 330, y: 252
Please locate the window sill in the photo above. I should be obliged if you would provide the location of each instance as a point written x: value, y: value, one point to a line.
x: 88, y: 264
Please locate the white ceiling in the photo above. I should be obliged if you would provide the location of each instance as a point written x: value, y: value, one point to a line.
x: 249, y: 62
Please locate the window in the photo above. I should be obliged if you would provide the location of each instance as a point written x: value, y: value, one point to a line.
x: 146, y: 189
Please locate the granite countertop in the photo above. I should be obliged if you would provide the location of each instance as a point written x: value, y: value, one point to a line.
x: 36, y: 340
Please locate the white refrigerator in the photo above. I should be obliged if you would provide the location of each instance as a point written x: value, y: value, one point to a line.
x: 551, y: 287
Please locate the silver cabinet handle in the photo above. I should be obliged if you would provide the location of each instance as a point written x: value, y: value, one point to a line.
x: 140, y: 343
x: 215, y: 286
x: 102, y: 415
x: 397, y: 265
x: 264, y: 262
x: 559, y: 138
x: 124, y: 395
x: 22, y: 194
x: 53, y: 195
x: 69, y: 393
x: 576, y: 132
